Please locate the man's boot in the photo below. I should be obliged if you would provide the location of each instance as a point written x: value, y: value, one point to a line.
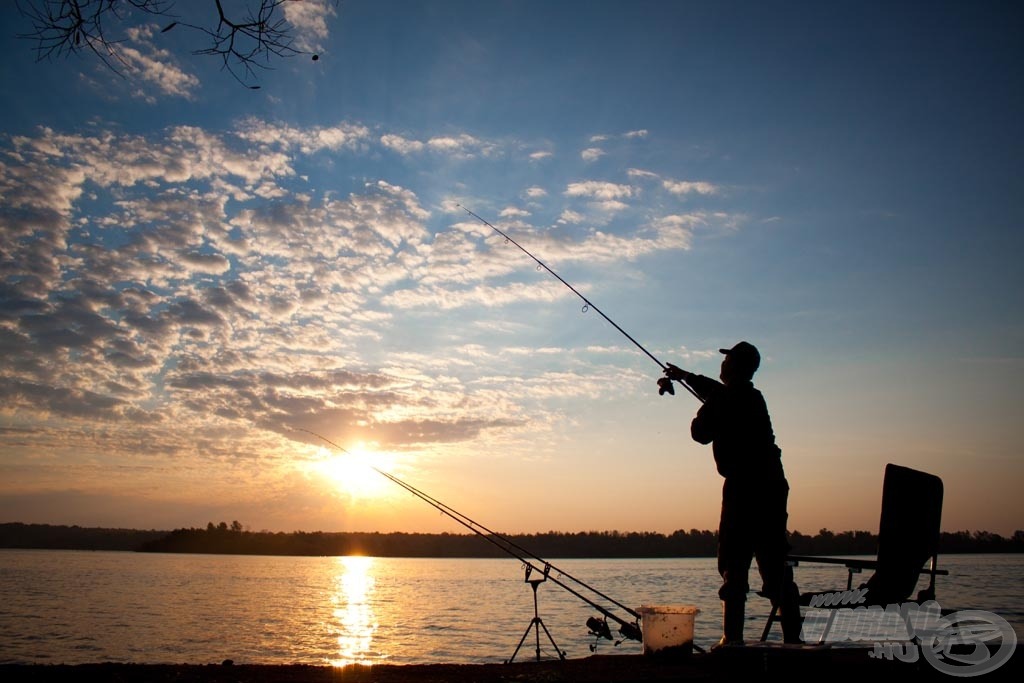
x: 792, y: 625
x: 732, y: 623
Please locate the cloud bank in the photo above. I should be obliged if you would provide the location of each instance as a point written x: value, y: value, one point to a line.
x: 192, y: 294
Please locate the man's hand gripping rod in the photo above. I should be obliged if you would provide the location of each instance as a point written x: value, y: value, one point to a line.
x: 664, y: 384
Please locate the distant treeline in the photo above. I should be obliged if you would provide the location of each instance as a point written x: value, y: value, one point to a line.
x: 231, y: 538
x: 17, y: 535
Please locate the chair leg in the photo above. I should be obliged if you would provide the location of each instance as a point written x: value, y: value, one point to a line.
x: 828, y: 625
x: 768, y: 624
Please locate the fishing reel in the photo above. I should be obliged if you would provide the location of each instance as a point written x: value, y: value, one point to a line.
x: 599, y: 629
x: 632, y: 632
x: 665, y: 387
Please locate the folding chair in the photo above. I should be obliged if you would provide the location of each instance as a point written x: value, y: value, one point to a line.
x: 908, y: 538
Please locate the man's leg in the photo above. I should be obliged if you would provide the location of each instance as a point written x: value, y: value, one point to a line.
x: 776, y: 574
x: 735, y: 552
x: 780, y: 587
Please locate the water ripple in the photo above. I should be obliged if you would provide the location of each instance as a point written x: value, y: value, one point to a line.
x: 87, y: 607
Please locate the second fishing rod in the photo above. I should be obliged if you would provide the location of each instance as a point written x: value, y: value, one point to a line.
x: 629, y: 629
x: 664, y: 383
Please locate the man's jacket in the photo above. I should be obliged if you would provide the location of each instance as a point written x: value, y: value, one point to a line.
x: 734, y: 419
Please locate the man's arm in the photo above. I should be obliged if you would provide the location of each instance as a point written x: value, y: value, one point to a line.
x: 702, y: 429
x: 704, y: 386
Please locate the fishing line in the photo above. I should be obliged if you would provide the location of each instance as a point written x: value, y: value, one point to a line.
x: 628, y: 629
x: 587, y: 303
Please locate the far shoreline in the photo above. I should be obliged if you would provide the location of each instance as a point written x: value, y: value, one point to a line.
x: 233, y: 539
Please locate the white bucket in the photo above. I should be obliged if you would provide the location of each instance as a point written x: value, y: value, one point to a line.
x: 667, y: 629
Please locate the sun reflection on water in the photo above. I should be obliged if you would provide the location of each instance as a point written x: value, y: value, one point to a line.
x: 354, y: 617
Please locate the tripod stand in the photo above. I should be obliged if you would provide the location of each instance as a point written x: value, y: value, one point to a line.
x: 536, y: 623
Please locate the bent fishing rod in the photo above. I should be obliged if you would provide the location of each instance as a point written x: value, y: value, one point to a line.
x: 628, y: 629
x: 664, y: 383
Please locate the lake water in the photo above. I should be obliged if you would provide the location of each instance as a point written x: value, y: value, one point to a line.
x: 77, y: 607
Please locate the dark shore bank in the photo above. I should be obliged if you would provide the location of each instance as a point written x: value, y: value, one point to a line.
x: 234, y: 540
x: 751, y: 663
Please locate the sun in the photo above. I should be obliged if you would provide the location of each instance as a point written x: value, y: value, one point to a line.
x: 354, y: 472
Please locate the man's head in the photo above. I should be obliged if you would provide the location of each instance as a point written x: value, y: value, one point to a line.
x: 740, y: 362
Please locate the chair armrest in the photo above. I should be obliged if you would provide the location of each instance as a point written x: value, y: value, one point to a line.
x: 854, y: 563
x: 850, y: 563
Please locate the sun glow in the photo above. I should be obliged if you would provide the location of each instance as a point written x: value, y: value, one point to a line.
x: 354, y: 473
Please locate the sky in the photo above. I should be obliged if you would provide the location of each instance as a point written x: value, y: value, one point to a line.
x: 193, y: 271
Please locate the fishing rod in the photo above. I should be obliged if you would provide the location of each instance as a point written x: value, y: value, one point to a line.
x: 630, y: 630
x: 664, y: 383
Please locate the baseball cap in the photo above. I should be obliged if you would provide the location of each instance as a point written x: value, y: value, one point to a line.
x: 746, y: 353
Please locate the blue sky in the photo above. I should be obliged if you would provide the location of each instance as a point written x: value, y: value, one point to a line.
x: 193, y: 269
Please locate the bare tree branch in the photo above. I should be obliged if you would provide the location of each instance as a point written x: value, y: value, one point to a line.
x: 62, y: 28
x: 246, y: 40
x: 250, y: 43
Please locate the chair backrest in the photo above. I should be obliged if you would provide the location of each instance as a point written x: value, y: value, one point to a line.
x: 908, y: 532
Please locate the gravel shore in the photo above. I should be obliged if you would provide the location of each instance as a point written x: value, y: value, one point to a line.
x: 744, y: 664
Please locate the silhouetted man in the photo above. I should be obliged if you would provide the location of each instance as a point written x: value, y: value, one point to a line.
x: 735, y: 420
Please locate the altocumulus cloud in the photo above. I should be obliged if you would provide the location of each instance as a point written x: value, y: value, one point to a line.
x: 193, y: 283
